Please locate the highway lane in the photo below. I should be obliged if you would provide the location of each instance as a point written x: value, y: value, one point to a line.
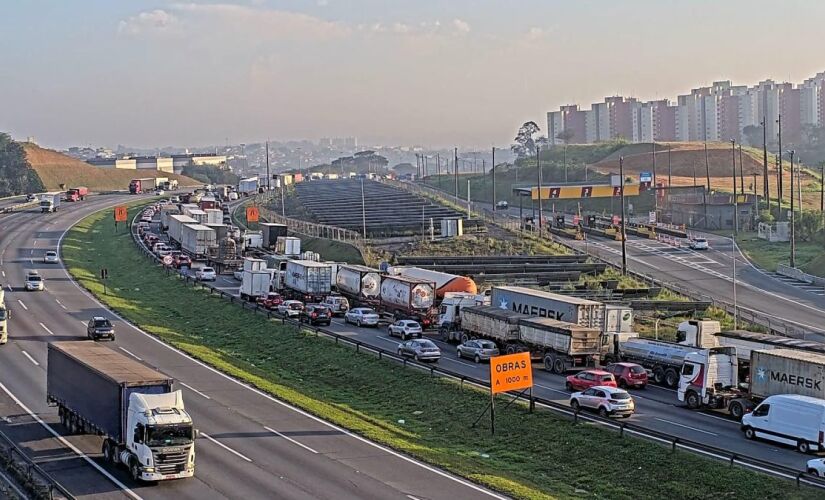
x: 252, y: 445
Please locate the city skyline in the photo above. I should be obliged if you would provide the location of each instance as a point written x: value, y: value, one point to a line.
x: 429, y: 74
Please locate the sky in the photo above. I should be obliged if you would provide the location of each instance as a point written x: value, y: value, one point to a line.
x: 151, y: 73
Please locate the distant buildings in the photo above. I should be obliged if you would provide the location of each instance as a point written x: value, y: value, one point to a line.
x: 338, y: 142
x: 719, y: 112
x: 173, y: 164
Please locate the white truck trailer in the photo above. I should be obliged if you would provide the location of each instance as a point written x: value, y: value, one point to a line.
x: 308, y: 280
x: 197, y: 240
x: 176, y: 222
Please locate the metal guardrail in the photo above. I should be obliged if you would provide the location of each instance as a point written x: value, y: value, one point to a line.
x: 673, y: 442
x: 37, y: 482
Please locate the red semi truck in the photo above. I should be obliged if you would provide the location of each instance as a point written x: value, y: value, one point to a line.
x: 77, y: 194
x: 146, y: 185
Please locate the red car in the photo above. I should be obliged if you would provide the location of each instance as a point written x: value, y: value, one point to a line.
x: 271, y: 301
x: 628, y: 375
x: 183, y: 261
x: 589, y: 378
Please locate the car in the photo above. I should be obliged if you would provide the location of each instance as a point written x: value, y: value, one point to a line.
x: 34, y: 282
x: 816, y: 467
x: 788, y: 419
x: 315, y: 314
x: 589, y: 378
x: 405, y: 328
x: 337, y: 304
x: 362, y: 316
x: 290, y: 308
x: 271, y: 300
x: 478, y: 350
x: 502, y: 205
x: 159, y: 192
x: 698, y: 244
x: 30, y: 197
x: 100, y: 327
x: 51, y: 257
x: 164, y: 251
x: 182, y: 261
x: 628, y: 375
x: 608, y: 401
x: 206, y: 274
x: 420, y: 350
x: 157, y: 245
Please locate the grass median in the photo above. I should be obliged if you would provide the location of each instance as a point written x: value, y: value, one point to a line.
x: 537, y: 455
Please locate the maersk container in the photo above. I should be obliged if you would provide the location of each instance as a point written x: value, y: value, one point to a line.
x: 786, y: 371
x: 559, y: 336
x: 398, y: 292
x: 308, y: 277
x: 565, y: 308
x: 197, y: 239
x: 213, y: 216
x: 491, y: 322
x: 176, y: 222
x: 444, y: 282
x: 358, y: 281
x: 271, y: 232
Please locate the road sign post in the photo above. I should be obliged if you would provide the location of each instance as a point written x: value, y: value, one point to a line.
x: 252, y: 214
x: 104, y: 275
x: 121, y: 215
x: 508, y: 373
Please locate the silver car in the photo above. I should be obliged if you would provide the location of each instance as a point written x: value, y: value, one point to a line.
x: 51, y: 257
x: 405, y: 328
x: 420, y: 350
x: 477, y: 350
x: 362, y: 316
x: 608, y: 401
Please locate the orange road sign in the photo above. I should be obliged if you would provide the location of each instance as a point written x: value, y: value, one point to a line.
x: 252, y: 214
x: 510, y: 373
x: 121, y: 214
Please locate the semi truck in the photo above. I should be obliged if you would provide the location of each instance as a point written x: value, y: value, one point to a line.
x: 142, y: 185
x: 358, y: 282
x: 143, y: 421
x: 176, y: 222
x: 50, y: 202
x: 408, y: 298
x: 560, y: 345
x: 444, y: 282
x: 248, y: 186
x: 565, y: 308
x: 710, y: 378
x: 196, y: 240
x: 169, y: 184
x: 166, y: 211
x: 307, y: 280
x: 5, y: 314
x: 77, y: 194
x: 449, y: 318
x: 271, y: 232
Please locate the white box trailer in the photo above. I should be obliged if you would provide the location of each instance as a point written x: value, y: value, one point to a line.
x: 562, y: 346
x: 166, y: 211
x: 288, y: 245
x: 248, y: 186
x: 213, y: 216
x: 176, y: 222
x: 256, y: 284
x: 308, y: 278
x: 197, y: 239
x: 186, y: 208
x: 250, y: 264
x: 565, y: 308
x: 199, y: 215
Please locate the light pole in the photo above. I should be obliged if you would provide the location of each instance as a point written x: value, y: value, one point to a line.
x: 793, y: 216
x: 735, y: 201
x: 670, y: 170
x: 621, y: 199
x: 538, y: 169
x: 494, y: 178
x: 766, y: 186
x: 779, y: 121
x: 733, y: 255
x: 363, y: 210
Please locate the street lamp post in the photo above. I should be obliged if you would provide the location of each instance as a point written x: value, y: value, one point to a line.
x: 494, y: 178
x: 779, y: 188
x: 538, y: 168
x: 621, y: 200
x: 363, y: 209
x: 735, y: 201
x: 793, y: 216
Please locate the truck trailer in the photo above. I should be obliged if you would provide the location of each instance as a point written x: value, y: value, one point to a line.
x: 176, y: 222
x: 307, y: 280
x: 271, y: 232
x: 358, y: 282
x: 49, y: 202
x: 565, y: 308
x: 144, y: 423
x: 196, y: 240
x: 248, y: 186
x: 256, y: 284
x: 560, y: 345
x: 142, y: 185
x: 410, y: 298
x: 444, y: 282
x: 77, y: 194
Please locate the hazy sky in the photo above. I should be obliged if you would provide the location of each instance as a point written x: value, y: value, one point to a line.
x: 436, y: 72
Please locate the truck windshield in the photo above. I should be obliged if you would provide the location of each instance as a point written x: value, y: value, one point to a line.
x: 2, y: 315
x: 169, y: 435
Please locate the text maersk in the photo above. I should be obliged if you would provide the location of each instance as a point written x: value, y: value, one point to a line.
x: 529, y: 310
x: 790, y: 379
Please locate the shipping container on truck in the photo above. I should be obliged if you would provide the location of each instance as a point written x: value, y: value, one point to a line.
x: 488, y: 322
x: 50, y: 202
x: 444, y: 282
x: 255, y: 284
x: 208, y: 202
x: 307, y: 280
x: 248, y: 186
x: 144, y: 423
x: 77, y: 194
x: 271, y: 232
x: 197, y: 214
x: 213, y: 216
x: 176, y: 222
x: 142, y: 185
x: 197, y: 240
x: 167, y: 211
x: 562, y: 346
x: 565, y: 308
x: 358, y: 282
x: 288, y: 245
x: 408, y: 298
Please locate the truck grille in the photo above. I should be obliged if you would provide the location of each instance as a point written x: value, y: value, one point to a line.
x: 171, y: 462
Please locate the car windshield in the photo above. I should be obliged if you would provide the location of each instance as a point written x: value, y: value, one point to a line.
x: 367, y: 311
x: 620, y: 395
x: 169, y: 435
x: 486, y: 344
x: 637, y: 369
x: 426, y: 343
x: 2, y: 315
x: 295, y: 306
x: 35, y: 278
x: 208, y: 270
x: 51, y: 254
x: 102, y: 323
x: 700, y: 240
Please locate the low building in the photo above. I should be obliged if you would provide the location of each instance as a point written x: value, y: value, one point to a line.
x: 714, y: 211
x: 119, y: 163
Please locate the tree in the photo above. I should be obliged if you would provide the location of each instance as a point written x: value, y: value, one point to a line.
x: 566, y: 135
x: 753, y: 134
x: 405, y: 168
x: 525, y: 145
x: 16, y: 175
x: 808, y: 223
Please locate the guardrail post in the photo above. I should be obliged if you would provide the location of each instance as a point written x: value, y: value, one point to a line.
x: 358, y: 347
x: 732, y: 459
x: 673, y: 444
x: 621, y: 430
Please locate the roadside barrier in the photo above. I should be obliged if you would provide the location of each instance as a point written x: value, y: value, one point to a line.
x: 672, y: 442
x: 37, y: 482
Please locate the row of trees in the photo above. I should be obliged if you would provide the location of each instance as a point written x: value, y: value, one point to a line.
x: 16, y: 175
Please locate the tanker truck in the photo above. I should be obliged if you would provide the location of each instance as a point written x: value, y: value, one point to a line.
x: 444, y: 282
x: 408, y: 298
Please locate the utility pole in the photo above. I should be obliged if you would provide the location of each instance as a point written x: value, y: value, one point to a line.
x: 621, y: 194
x: 779, y: 121
x: 670, y: 170
x: 538, y: 169
x: 494, y: 178
x: 268, y: 184
x: 735, y: 203
x: 363, y: 209
x: 741, y: 171
x: 654, y: 166
x: 455, y: 171
x: 793, y: 216
x: 707, y: 166
x: 766, y: 185
x: 733, y: 255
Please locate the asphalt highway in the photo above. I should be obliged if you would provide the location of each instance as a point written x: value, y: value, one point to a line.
x: 251, y: 445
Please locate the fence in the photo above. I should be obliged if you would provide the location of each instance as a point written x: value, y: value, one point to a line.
x: 672, y: 442
x: 32, y: 477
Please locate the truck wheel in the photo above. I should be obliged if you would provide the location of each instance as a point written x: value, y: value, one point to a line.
x: 134, y: 470
x: 548, y: 363
x: 803, y: 447
x: 108, y: 454
x: 693, y: 401
x: 671, y: 378
x: 658, y: 375
x: 558, y: 366
x: 736, y: 411
x: 511, y: 349
x: 464, y: 338
x: 750, y: 433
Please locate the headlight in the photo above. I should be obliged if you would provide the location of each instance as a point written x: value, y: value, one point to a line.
x: 148, y: 469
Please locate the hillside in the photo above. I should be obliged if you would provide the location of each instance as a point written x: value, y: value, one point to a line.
x: 55, y: 168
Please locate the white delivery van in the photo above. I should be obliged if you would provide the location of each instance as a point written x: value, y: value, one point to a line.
x: 788, y: 419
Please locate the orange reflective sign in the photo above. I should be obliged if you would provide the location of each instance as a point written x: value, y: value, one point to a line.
x: 121, y: 214
x: 510, y: 373
x: 252, y: 214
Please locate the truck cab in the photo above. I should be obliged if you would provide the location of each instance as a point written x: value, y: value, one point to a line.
x: 451, y: 305
x: 159, y: 438
x: 4, y: 319
x: 709, y: 377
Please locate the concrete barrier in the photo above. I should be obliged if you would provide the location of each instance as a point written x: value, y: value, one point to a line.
x: 798, y: 274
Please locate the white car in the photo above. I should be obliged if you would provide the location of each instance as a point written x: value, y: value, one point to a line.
x: 405, y: 328
x: 290, y: 308
x: 205, y: 274
x: 502, y: 205
x: 816, y: 467
x: 162, y: 249
x: 362, y: 316
x: 51, y: 257
x: 34, y: 283
x: 698, y: 244
x: 607, y: 401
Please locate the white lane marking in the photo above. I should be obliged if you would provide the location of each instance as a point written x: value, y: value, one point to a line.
x: 412, y: 497
x: 70, y: 445
x: 718, y: 418
x: 552, y: 389
x: 458, y: 361
x: 47, y: 329
x: 31, y: 252
x: 30, y: 358
x: 9, y: 287
x: 269, y: 397
x: 130, y: 354
x: 684, y: 426
x: 227, y: 448
x: 83, y: 322
x: 4, y: 273
x: 302, y: 445
x: 190, y: 387
x: 22, y: 304
x: 35, y: 243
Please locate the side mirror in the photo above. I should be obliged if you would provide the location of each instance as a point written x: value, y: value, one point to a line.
x: 197, y: 433
x: 8, y: 314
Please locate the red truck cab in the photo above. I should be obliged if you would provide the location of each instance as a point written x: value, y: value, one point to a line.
x: 77, y: 194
